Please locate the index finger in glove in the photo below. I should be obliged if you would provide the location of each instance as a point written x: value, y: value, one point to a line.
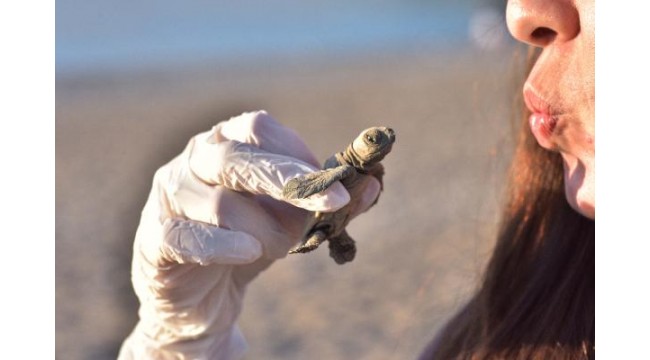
x: 260, y: 129
x: 244, y: 167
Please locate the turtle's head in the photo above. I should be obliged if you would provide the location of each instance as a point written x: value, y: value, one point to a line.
x: 373, y: 144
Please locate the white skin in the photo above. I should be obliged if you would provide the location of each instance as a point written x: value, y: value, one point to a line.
x: 560, y: 88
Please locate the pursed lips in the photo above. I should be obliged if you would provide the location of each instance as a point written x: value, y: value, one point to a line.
x: 543, y: 119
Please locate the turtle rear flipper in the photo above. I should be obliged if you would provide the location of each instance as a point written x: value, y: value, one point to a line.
x: 304, y: 186
x: 342, y: 248
x: 311, y: 243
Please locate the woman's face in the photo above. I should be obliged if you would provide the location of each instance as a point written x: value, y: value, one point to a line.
x: 560, y: 88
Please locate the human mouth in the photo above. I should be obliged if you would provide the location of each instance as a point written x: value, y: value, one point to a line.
x: 542, y: 120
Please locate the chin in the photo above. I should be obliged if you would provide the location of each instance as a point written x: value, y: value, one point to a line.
x: 586, y: 208
x: 580, y: 193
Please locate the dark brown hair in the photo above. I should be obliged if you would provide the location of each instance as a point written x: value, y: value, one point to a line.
x: 536, y: 300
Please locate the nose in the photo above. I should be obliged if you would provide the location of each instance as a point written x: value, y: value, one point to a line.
x: 391, y: 134
x: 542, y: 22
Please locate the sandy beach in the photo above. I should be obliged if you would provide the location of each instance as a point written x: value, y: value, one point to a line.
x: 421, y: 249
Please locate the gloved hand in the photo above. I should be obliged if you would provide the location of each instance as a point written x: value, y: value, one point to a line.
x: 214, y: 219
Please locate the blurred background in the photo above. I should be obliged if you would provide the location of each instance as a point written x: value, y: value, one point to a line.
x: 135, y: 80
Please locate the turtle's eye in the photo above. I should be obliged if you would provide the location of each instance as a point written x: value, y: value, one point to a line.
x: 370, y: 138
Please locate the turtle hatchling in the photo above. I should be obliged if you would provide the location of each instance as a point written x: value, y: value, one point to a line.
x: 359, y: 160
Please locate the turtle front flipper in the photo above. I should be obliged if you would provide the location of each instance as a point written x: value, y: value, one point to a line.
x: 342, y: 248
x: 304, y: 186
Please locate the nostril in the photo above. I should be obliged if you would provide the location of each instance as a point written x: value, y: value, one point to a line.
x: 543, y: 34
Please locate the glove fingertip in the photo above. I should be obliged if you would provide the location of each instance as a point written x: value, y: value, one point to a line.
x: 243, y: 248
x: 368, y: 197
x: 332, y: 199
x: 336, y: 197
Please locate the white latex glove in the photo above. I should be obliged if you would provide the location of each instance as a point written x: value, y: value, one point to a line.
x: 214, y: 219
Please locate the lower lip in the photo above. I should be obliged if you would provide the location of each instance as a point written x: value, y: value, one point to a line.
x: 542, y: 126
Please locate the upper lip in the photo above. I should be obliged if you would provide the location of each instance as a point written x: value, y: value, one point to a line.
x: 535, y: 102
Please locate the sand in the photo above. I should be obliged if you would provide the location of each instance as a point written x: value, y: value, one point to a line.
x: 421, y: 249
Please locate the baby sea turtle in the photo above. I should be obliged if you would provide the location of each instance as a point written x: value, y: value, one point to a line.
x: 353, y: 167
